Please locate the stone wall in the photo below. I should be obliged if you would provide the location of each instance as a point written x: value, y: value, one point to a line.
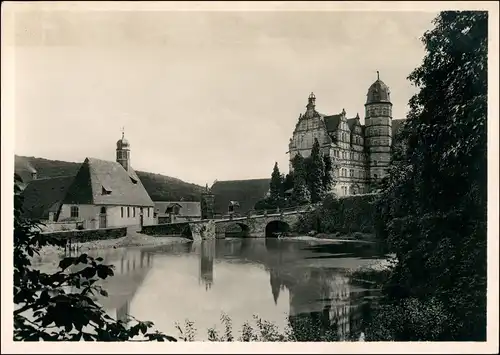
x: 87, y: 235
x: 49, y: 226
x: 171, y: 230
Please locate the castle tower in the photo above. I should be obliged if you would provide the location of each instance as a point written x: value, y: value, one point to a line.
x: 311, y: 105
x: 378, y: 132
x: 123, y: 152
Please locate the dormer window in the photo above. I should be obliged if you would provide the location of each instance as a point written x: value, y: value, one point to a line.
x: 134, y: 181
x: 106, y: 190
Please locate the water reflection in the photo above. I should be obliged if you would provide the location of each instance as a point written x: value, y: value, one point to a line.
x: 131, y: 268
x: 273, y: 278
x: 207, y: 255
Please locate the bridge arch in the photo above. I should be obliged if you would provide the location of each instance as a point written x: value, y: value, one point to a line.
x: 236, y: 230
x: 276, y: 227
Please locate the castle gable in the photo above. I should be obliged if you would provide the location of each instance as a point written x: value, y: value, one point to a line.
x: 332, y: 122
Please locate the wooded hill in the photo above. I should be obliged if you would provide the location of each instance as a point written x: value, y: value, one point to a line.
x: 159, y: 187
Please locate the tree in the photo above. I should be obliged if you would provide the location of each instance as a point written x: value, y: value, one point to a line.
x: 433, y: 205
x: 328, y: 178
x: 276, y: 186
x: 45, y: 309
x: 288, y: 181
x: 300, y: 194
x: 316, y: 173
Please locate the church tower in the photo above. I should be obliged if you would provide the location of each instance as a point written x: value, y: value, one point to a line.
x: 378, y: 131
x: 123, y: 152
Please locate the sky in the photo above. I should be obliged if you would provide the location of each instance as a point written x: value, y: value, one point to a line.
x: 202, y: 96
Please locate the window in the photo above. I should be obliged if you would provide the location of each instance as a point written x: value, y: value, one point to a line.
x: 122, y: 212
x: 148, y: 211
x: 103, y: 210
x: 74, y: 211
x: 128, y: 212
x: 351, y: 172
x: 133, y: 209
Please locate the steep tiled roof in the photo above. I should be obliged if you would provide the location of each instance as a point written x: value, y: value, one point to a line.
x: 187, y: 209
x: 102, y: 182
x: 45, y: 195
x: 245, y: 192
x: 351, y: 122
x: 332, y: 122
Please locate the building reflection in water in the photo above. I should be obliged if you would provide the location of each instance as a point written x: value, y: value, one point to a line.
x: 323, y: 302
x: 130, y: 271
x: 207, y: 255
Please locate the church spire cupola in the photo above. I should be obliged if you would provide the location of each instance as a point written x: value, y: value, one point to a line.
x: 123, y: 151
x: 311, y: 105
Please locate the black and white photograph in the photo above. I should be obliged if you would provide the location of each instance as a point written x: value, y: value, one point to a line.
x: 289, y: 177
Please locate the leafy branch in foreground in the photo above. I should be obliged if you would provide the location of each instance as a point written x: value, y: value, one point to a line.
x: 62, y: 306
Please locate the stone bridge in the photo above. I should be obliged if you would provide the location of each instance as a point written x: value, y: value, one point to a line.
x: 251, y: 226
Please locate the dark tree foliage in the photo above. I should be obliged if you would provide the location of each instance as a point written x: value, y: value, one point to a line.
x: 276, y: 198
x: 61, y: 306
x: 300, y: 194
x: 315, y: 173
x: 433, y: 207
x: 328, y: 180
x: 276, y: 186
x: 288, y: 181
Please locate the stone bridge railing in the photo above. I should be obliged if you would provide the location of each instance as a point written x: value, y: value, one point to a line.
x: 260, y: 213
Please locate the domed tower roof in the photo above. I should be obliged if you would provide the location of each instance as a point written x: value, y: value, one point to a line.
x: 122, y: 143
x: 378, y: 92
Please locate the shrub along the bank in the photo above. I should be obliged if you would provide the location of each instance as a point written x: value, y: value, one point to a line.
x: 343, y: 215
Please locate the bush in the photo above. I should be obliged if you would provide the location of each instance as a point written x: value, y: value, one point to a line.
x: 411, y: 320
x: 300, y: 328
x: 345, y: 215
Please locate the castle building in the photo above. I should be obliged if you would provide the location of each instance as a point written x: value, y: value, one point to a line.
x: 360, y: 153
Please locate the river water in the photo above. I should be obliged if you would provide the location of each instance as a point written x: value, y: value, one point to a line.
x: 269, y: 278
